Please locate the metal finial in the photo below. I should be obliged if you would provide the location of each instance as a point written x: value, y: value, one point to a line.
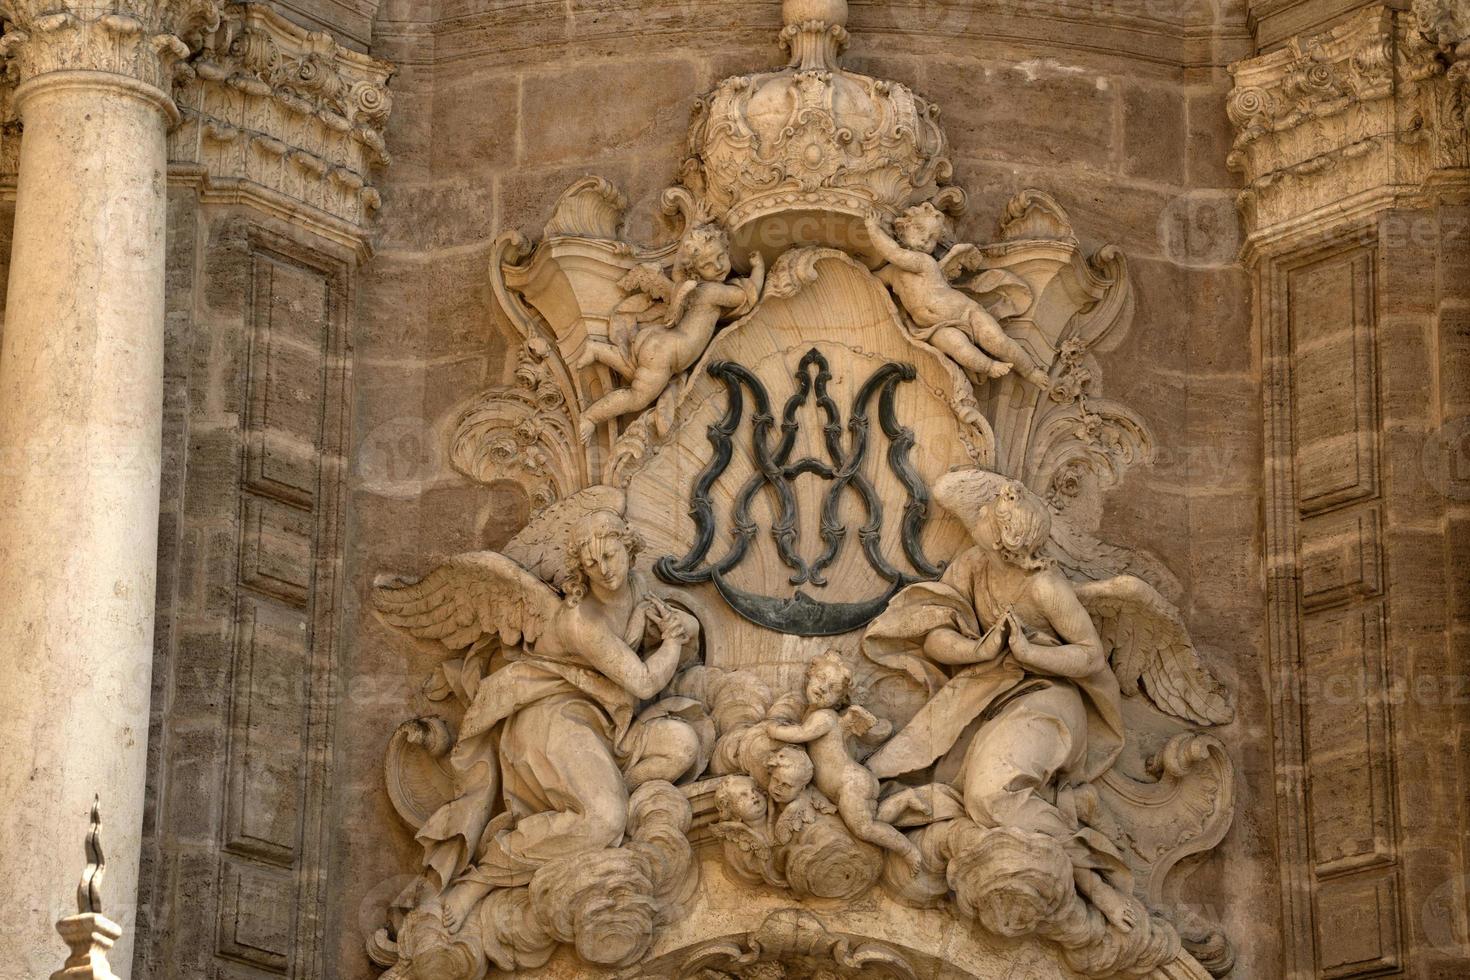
x: 89, y: 891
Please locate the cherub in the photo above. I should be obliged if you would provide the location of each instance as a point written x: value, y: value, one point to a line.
x: 947, y: 318
x: 698, y: 299
x: 839, y: 776
x: 740, y: 800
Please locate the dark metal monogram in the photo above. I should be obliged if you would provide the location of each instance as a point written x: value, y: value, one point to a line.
x: 800, y: 614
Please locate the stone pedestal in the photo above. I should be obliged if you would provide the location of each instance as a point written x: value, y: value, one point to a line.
x: 81, y: 381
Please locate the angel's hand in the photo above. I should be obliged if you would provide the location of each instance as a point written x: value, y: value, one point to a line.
x: 992, y: 644
x: 757, y: 265
x: 1019, y: 645
x: 674, y: 631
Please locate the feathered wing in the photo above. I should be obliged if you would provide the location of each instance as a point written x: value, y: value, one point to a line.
x: 860, y: 723
x: 961, y: 259
x: 469, y: 597
x: 648, y: 279
x: 1002, y: 293
x: 1151, y: 650
x: 540, y: 546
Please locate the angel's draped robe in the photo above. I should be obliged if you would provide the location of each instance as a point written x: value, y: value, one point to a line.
x: 556, y: 737
x: 1015, y: 745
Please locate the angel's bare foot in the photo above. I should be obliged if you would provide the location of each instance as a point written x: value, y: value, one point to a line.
x: 586, y: 430
x: 1114, y: 907
x: 998, y: 369
x: 459, y: 901
x: 585, y: 359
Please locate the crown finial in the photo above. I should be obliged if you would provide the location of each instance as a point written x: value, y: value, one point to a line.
x: 816, y: 33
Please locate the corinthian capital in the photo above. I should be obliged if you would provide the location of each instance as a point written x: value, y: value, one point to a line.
x: 139, y: 39
x: 1445, y: 23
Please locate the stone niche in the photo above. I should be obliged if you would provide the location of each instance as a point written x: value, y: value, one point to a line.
x: 826, y: 647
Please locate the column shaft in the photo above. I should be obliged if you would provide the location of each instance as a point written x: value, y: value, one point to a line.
x: 81, y: 374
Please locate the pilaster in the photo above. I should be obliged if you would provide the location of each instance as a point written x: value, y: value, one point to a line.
x: 1352, y: 141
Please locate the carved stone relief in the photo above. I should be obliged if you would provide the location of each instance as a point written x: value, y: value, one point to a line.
x: 815, y: 599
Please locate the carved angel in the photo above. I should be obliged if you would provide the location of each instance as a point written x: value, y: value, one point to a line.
x: 841, y: 778
x: 696, y: 300
x: 564, y: 699
x: 1039, y: 663
x: 946, y: 317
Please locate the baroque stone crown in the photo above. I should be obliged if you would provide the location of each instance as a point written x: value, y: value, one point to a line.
x: 813, y: 141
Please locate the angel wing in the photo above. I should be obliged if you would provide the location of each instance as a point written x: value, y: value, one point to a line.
x: 1151, y: 650
x: 1002, y: 293
x: 649, y: 280
x: 469, y: 597
x: 961, y: 259
x: 540, y: 546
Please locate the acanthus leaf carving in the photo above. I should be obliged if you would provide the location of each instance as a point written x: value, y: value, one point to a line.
x: 288, y: 114
x: 1372, y: 106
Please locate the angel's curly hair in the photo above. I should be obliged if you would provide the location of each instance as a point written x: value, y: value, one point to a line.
x: 694, y: 242
x: 1023, y: 525
x: 925, y: 212
x: 835, y: 662
x: 592, y: 529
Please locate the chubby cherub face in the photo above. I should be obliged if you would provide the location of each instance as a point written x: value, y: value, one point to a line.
x: 791, y: 772
x: 739, y: 798
x: 921, y: 228
x: 706, y: 254
x: 827, y: 684
x: 712, y: 264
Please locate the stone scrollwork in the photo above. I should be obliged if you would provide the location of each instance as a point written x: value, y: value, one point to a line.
x: 1378, y: 101
x: 262, y: 109
x: 137, y: 39
x: 814, y: 589
x: 521, y: 432
x: 285, y: 113
x: 792, y: 944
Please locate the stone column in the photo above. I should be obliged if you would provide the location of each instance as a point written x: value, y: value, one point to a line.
x: 81, y: 389
x: 1354, y: 146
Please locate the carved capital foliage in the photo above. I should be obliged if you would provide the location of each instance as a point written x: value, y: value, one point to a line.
x: 288, y: 114
x: 139, y: 39
x: 1373, y: 107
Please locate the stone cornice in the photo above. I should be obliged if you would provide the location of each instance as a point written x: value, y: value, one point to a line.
x: 140, y: 39
x: 1367, y: 106
x: 268, y: 114
x: 269, y: 103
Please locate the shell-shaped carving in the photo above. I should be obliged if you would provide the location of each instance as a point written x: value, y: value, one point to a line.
x: 591, y: 208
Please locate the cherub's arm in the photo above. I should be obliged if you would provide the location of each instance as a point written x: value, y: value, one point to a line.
x: 1083, y: 653
x: 742, y: 292
x: 618, y: 662
x: 893, y: 252
x: 819, y: 724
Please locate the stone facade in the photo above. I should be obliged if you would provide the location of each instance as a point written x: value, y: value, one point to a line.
x: 1263, y: 209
